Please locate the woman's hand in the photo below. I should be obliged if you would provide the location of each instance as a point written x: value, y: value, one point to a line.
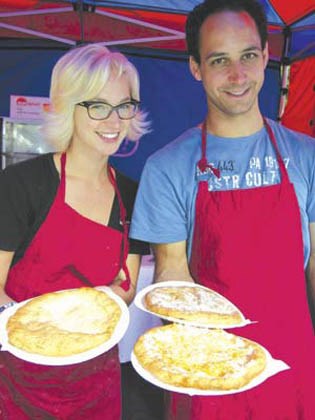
x: 127, y: 296
x: 133, y: 264
x: 117, y: 289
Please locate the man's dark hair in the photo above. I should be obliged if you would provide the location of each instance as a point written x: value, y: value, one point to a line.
x: 199, y: 14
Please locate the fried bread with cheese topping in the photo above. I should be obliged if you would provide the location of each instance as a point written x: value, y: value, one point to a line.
x: 192, y: 357
x: 64, y: 323
x: 192, y: 303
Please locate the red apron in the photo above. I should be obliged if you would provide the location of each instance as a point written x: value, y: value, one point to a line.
x: 247, y: 245
x: 68, y: 251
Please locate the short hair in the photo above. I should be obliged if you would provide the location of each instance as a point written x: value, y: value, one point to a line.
x: 79, y: 75
x: 199, y: 14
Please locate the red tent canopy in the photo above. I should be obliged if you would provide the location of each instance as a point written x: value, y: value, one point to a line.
x: 292, y: 11
x: 146, y: 24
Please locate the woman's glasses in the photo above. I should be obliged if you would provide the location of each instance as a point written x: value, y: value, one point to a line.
x: 102, y: 110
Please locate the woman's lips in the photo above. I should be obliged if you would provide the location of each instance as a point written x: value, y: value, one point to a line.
x: 109, y: 137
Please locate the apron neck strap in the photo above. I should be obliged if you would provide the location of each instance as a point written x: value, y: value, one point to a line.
x: 111, y: 176
x: 203, y: 164
x: 123, y: 216
x: 63, y: 176
x: 283, y: 171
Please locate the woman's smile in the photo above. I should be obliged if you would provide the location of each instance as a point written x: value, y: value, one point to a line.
x: 110, y: 137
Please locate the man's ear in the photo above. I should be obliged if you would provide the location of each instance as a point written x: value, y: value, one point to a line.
x: 266, y: 54
x: 194, y: 68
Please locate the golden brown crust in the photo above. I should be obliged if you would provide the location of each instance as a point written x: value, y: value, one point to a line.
x: 192, y: 304
x: 191, y: 357
x: 64, y: 323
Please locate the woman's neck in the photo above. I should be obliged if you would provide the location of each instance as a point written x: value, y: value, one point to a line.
x: 86, y: 168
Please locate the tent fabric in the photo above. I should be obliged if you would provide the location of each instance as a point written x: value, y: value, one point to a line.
x: 299, y: 113
x: 147, y: 23
x: 290, y: 12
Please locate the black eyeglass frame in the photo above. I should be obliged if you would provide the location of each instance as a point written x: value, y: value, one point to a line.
x: 87, y: 104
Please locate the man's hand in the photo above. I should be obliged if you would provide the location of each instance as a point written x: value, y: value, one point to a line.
x: 171, y: 262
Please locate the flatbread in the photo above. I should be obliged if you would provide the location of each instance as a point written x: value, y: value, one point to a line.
x: 64, y: 323
x: 192, y: 303
x: 206, y: 359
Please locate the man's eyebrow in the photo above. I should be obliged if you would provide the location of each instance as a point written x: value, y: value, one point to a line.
x: 216, y: 55
x: 223, y: 54
x: 252, y: 48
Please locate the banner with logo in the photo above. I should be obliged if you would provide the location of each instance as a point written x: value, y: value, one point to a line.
x: 28, y: 108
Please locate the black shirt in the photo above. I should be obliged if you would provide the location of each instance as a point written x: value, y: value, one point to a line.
x: 27, y: 191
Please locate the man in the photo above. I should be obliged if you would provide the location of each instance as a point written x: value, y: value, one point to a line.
x: 230, y: 204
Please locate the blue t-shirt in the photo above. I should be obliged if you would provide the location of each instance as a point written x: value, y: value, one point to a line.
x: 164, y: 211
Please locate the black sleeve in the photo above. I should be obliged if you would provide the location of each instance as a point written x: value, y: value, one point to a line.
x: 27, y: 190
x: 15, y: 211
x: 128, y: 189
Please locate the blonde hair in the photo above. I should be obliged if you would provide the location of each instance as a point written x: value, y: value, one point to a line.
x: 80, y: 75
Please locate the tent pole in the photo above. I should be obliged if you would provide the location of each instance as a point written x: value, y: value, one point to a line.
x: 80, y: 7
x: 285, y: 72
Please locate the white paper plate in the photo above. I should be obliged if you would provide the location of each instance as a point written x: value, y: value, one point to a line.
x: 139, y: 302
x: 273, y: 367
x: 67, y: 360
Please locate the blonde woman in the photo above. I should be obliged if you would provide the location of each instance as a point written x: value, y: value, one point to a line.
x: 63, y: 225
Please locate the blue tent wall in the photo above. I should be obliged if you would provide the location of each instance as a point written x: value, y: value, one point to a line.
x: 173, y: 99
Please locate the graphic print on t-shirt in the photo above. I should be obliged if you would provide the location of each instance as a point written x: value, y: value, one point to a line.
x: 258, y: 173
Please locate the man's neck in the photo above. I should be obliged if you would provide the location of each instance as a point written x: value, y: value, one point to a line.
x: 234, y: 126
